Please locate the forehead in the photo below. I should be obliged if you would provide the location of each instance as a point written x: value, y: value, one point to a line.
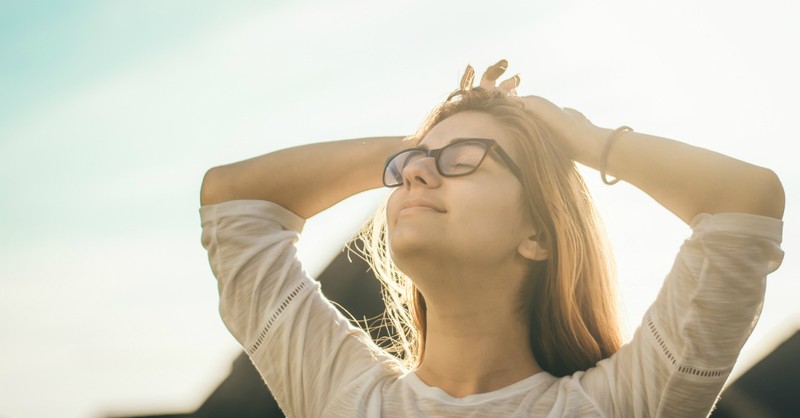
x: 467, y: 124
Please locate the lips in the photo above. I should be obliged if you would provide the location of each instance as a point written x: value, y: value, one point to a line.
x: 421, y: 203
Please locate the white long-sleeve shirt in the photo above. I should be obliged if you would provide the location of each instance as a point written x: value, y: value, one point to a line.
x: 317, y: 364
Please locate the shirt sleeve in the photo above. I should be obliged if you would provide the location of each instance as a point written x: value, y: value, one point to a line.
x: 690, y: 338
x: 302, y: 346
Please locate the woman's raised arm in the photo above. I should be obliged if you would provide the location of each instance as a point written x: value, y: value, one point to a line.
x: 305, y: 179
x: 685, y: 179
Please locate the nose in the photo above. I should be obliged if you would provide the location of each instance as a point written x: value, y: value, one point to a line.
x: 421, y: 172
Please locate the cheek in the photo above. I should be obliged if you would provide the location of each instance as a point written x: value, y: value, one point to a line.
x: 501, y: 212
x: 391, y: 203
x: 391, y: 209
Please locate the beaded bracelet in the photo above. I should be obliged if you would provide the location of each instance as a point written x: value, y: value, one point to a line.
x: 604, y: 158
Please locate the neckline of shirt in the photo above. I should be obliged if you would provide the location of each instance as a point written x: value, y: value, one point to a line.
x: 424, y: 390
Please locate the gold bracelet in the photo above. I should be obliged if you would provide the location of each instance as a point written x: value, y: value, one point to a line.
x: 604, y: 158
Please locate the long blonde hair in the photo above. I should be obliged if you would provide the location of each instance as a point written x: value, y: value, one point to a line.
x: 570, y: 298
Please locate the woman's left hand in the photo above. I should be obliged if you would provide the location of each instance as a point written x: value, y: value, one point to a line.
x: 686, y: 180
x: 489, y: 79
x: 583, y: 140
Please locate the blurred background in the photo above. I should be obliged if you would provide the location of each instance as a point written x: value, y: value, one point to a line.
x: 111, y: 112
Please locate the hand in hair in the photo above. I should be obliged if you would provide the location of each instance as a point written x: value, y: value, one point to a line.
x: 575, y: 131
x: 686, y: 180
x: 489, y: 79
x: 583, y: 140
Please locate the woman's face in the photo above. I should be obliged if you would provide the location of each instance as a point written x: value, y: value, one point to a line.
x: 475, y: 220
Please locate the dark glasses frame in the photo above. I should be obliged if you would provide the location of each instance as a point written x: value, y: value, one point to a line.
x: 489, y: 145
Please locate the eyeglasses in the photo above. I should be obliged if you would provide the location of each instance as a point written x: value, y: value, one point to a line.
x: 459, y: 158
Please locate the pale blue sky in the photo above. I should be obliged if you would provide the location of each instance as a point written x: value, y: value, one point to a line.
x: 111, y: 113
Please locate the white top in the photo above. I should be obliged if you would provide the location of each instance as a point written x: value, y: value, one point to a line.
x: 319, y: 365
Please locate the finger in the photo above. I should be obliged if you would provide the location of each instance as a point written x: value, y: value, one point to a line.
x: 509, y: 84
x: 468, y: 78
x: 492, y: 73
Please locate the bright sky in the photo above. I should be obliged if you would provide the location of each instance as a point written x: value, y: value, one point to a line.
x: 111, y: 112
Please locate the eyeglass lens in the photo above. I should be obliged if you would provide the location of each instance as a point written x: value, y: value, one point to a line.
x: 456, y: 159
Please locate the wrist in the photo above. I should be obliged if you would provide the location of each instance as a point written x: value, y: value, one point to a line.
x: 607, y: 148
x: 590, y: 150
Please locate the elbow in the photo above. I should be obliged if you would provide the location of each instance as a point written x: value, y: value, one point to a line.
x: 755, y: 190
x: 768, y: 197
x: 211, y: 189
x: 772, y: 196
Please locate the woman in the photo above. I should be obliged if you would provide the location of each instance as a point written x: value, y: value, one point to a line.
x: 495, y: 267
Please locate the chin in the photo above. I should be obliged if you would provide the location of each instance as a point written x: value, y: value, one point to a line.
x: 415, y: 240
x: 404, y: 247
x: 407, y: 250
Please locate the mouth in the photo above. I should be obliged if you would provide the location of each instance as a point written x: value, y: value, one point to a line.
x: 419, y: 204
